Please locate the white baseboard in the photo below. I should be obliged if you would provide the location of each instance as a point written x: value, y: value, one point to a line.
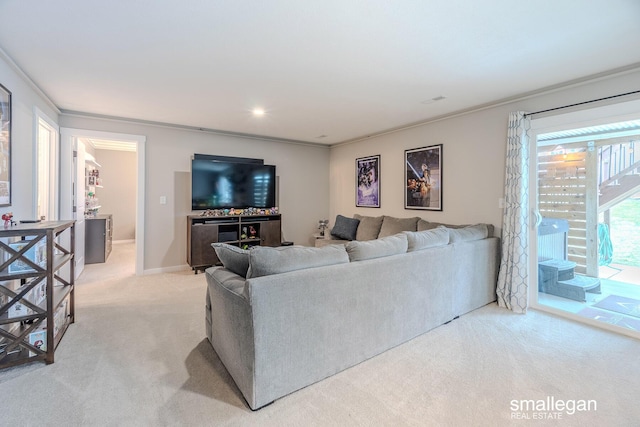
x: 119, y: 242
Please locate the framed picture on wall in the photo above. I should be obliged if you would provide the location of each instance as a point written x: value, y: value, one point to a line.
x: 423, y: 178
x: 368, y: 182
x: 5, y: 146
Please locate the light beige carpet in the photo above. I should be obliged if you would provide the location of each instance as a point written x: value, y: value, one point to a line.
x: 137, y: 356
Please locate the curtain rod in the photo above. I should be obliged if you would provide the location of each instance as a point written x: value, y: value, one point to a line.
x: 582, y: 103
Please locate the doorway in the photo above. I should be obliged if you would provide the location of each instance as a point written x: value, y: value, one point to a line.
x: 46, y: 149
x: 73, y: 182
x: 585, y: 183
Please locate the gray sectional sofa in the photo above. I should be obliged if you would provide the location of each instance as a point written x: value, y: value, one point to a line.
x: 283, y: 318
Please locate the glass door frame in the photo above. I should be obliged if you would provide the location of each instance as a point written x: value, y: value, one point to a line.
x: 573, y: 120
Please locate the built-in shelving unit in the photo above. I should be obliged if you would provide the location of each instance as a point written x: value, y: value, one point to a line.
x: 92, y: 181
x: 36, y: 290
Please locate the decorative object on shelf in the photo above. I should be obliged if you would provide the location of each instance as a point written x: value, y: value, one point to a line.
x: 5, y: 146
x: 368, y: 182
x: 8, y: 219
x: 423, y: 178
x: 252, y: 232
x: 239, y: 212
x: 243, y: 235
x: 28, y: 250
x: 322, y: 225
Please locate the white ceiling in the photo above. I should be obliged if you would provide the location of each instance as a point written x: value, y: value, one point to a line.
x: 341, y: 68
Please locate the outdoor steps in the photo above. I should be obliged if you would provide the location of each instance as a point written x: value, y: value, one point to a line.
x: 611, y: 195
x: 557, y: 277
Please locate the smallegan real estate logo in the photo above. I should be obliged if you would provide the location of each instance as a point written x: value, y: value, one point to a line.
x: 549, y: 408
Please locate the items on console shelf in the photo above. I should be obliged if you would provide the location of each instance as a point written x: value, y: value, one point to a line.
x: 245, y: 211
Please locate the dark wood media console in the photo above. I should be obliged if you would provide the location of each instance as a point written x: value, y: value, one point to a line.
x: 241, y: 230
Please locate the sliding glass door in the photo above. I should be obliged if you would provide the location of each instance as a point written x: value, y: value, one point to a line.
x: 586, y: 210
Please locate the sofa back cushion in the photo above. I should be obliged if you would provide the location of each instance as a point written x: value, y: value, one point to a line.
x: 419, y: 240
x: 426, y: 225
x: 468, y: 234
x: 384, y: 246
x: 264, y: 260
x: 392, y: 225
x: 369, y: 227
x: 345, y: 228
x: 233, y: 258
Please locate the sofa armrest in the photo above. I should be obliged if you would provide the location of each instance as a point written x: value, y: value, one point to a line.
x: 229, y: 326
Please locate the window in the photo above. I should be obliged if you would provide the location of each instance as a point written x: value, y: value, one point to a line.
x: 46, y: 167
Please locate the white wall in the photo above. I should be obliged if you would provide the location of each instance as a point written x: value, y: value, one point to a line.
x: 118, y: 194
x: 474, y: 147
x: 24, y: 99
x: 303, y: 172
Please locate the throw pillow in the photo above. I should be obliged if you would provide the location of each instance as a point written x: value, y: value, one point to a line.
x: 392, y: 225
x: 468, y: 234
x: 233, y: 258
x: 385, y: 246
x: 369, y: 227
x: 345, y: 228
x: 419, y: 240
x: 264, y: 261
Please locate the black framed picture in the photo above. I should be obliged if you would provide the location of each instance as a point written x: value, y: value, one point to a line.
x: 423, y: 178
x: 5, y: 146
x: 368, y: 182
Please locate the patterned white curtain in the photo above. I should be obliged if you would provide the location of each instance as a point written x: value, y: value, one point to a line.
x: 512, y: 289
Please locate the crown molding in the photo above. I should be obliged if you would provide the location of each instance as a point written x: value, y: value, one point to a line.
x: 27, y: 79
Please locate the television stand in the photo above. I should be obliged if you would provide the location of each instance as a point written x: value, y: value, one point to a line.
x: 242, y: 231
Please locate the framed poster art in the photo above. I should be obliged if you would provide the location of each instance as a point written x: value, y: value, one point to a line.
x: 368, y: 182
x: 423, y: 178
x: 5, y: 146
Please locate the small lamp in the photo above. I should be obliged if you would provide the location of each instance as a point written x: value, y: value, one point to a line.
x: 322, y: 225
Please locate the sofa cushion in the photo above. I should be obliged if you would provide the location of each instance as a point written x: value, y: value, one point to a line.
x: 468, y: 234
x: 369, y: 227
x: 392, y: 225
x: 264, y: 260
x: 233, y: 258
x: 345, y: 228
x: 384, y: 246
x: 426, y: 225
x: 419, y: 240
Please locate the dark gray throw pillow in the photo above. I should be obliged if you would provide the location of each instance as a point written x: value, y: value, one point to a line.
x: 345, y: 228
x: 233, y: 258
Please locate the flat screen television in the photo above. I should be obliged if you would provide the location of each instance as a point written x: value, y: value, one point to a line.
x: 219, y: 184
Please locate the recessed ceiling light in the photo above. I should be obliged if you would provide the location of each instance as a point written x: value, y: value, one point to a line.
x: 258, y: 111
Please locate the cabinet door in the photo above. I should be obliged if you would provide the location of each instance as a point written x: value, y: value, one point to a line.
x: 95, y: 243
x: 202, y: 253
x: 270, y: 233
